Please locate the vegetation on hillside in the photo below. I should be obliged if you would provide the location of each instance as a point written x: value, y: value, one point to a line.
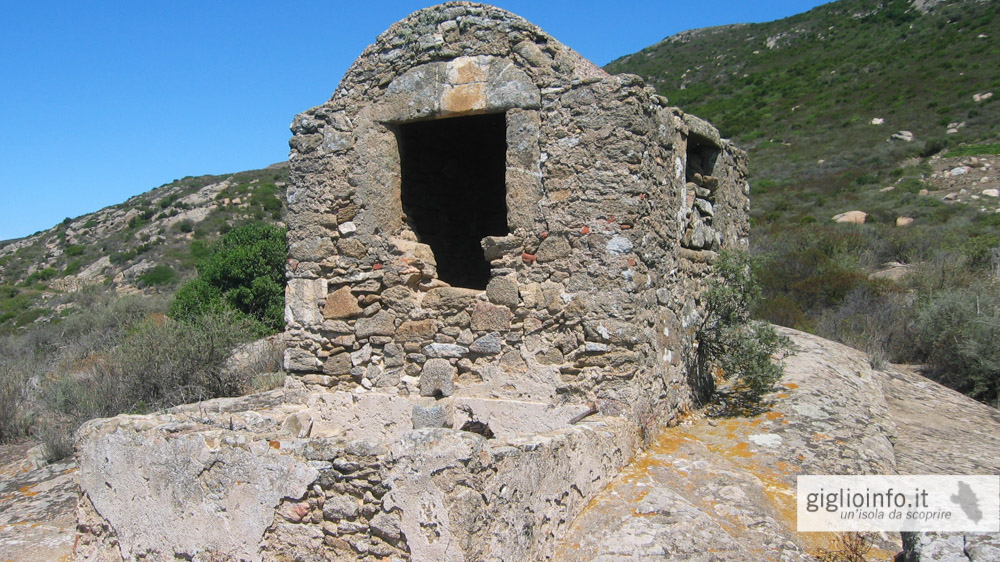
x: 806, y: 88
x: 152, y: 242
x: 245, y: 274
x: 120, y: 355
x: 72, y: 349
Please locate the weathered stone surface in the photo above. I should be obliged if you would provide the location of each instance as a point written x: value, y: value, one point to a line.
x: 489, y: 317
x: 553, y: 248
x: 430, y: 416
x: 417, y: 330
x: 503, y: 290
x: 445, y: 350
x: 437, y: 378
x: 382, y: 324
x: 341, y: 304
x: 300, y: 360
x: 490, y: 344
x: 449, y: 298
x: 37, y: 505
x: 832, y: 414
x: 856, y: 217
x: 302, y: 298
x: 339, y: 364
x: 207, y: 496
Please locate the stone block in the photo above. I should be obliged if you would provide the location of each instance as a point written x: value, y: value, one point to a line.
x: 445, y: 350
x: 300, y: 360
x: 490, y: 344
x: 430, y: 416
x: 449, y: 298
x: 383, y: 323
x: 490, y: 317
x: 417, y: 330
x: 341, y: 304
x: 339, y: 364
x: 437, y: 378
x: 302, y: 298
x: 553, y: 248
x: 503, y: 290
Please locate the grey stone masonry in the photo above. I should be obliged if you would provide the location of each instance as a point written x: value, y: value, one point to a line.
x: 478, y: 193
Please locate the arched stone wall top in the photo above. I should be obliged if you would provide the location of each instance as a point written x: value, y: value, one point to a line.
x: 462, y: 86
x: 456, y: 30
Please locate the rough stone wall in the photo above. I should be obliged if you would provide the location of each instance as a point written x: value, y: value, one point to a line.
x: 592, y: 297
x: 275, y: 477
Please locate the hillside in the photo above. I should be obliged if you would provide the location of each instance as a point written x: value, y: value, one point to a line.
x: 146, y: 245
x: 802, y: 93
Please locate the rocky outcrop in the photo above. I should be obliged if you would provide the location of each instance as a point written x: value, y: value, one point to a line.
x: 37, y: 505
x: 727, y: 485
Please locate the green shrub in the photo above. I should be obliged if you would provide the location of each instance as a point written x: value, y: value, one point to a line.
x: 75, y: 250
x: 158, y: 275
x: 959, y: 330
x: 40, y: 276
x: 245, y: 272
x: 975, y: 150
x: 73, y: 267
x: 728, y: 339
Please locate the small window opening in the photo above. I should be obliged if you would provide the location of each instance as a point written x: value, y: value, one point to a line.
x: 454, y: 192
x: 701, y: 156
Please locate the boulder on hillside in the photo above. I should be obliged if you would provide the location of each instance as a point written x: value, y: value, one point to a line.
x: 856, y: 217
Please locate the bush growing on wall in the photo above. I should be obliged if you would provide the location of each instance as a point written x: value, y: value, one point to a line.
x: 245, y: 272
x: 728, y: 339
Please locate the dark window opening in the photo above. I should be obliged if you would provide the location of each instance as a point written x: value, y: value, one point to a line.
x: 454, y: 192
x: 701, y: 156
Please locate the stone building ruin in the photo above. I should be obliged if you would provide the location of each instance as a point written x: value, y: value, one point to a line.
x: 495, y: 256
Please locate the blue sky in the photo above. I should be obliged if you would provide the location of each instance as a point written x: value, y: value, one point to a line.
x: 101, y: 100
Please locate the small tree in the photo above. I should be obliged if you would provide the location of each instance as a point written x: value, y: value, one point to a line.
x: 729, y: 339
x: 245, y: 272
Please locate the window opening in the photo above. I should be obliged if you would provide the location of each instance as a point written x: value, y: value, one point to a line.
x: 701, y: 156
x: 454, y: 191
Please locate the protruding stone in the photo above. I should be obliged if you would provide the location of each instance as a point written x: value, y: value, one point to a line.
x: 490, y: 344
x: 382, y: 324
x: 429, y: 416
x: 341, y: 304
x: 503, y: 290
x: 490, y: 317
x: 437, y: 378
x: 553, y: 248
x: 445, y: 350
